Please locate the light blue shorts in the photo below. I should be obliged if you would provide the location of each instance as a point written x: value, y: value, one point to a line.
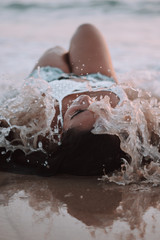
x: 51, y: 73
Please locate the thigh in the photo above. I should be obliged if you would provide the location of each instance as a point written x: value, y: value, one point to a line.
x: 89, y: 53
x: 55, y: 57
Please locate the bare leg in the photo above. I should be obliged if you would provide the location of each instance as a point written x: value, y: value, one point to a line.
x: 89, y: 52
x: 55, y: 57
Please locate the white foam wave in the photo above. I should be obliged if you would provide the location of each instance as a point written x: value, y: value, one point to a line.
x: 28, y: 114
x: 137, y: 123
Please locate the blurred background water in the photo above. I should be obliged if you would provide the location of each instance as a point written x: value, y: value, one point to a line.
x: 131, y: 29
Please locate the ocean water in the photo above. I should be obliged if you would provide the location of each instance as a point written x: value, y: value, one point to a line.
x: 130, y: 28
x: 86, y: 208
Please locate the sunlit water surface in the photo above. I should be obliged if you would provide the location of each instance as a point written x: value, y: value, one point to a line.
x: 66, y: 208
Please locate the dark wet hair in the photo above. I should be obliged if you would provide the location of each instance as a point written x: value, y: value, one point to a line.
x: 84, y: 153
x: 80, y: 153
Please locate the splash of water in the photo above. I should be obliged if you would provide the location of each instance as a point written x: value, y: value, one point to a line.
x: 26, y: 116
x: 136, y: 122
x: 29, y: 113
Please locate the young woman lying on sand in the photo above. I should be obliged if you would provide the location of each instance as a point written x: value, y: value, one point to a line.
x: 78, y: 78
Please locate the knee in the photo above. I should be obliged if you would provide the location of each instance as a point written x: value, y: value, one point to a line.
x: 86, y: 27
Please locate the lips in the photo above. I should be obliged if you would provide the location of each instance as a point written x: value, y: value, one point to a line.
x: 78, y: 112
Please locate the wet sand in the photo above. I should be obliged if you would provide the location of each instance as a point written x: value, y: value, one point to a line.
x: 67, y: 207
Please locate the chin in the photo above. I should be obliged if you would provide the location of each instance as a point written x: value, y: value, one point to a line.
x: 84, y: 121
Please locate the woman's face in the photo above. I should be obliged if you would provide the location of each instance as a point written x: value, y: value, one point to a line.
x: 78, y: 116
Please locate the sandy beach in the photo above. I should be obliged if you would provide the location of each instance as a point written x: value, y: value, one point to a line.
x: 76, y: 207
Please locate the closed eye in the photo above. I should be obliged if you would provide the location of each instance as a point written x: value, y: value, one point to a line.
x: 77, y: 112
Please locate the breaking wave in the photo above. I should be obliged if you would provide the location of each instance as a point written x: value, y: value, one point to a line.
x: 137, y: 7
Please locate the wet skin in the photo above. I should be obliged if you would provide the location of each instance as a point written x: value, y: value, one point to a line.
x: 75, y: 109
x: 78, y: 115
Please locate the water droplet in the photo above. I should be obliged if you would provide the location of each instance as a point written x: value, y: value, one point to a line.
x: 40, y: 144
x: 8, y: 159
